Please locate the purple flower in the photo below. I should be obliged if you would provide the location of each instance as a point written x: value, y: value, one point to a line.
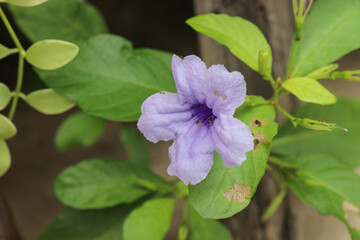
x: 199, y: 118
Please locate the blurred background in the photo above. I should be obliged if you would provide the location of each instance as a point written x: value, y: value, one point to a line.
x: 27, y: 187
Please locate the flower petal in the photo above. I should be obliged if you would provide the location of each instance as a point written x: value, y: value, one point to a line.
x: 232, y: 139
x: 225, y: 91
x: 189, y: 75
x: 191, y: 155
x: 163, y: 117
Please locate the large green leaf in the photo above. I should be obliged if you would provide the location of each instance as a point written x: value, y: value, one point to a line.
x: 227, y: 191
x: 355, y: 234
x: 151, y: 221
x: 135, y: 145
x: 309, y: 90
x: 243, y: 38
x: 104, y: 224
x: 327, y: 185
x: 79, y: 129
x: 100, y: 183
x: 68, y: 20
x: 208, y: 229
x: 331, y: 30
x: 340, y: 144
x: 111, y: 80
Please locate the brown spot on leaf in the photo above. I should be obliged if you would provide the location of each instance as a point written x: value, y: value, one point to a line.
x: 357, y: 170
x: 259, y: 139
x: 352, y: 215
x: 216, y: 93
x: 258, y: 123
x: 223, y: 96
x: 238, y: 193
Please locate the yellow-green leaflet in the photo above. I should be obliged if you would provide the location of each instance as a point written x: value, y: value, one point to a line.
x: 51, y: 54
x: 47, y: 101
x: 4, y: 51
x: 26, y: 3
x: 5, y: 158
x: 309, y: 90
x: 5, y: 96
x: 7, y: 128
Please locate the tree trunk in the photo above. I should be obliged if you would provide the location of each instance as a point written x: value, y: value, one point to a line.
x: 294, y: 220
x: 8, y: 230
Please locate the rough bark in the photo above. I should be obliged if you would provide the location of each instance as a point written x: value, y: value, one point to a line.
x: 8, y: 230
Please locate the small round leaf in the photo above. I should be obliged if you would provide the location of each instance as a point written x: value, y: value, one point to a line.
x: 5, y: 96
x: 26, y: 3
x: 5, y: 158
x: 47, y: 101
x: 51, y: 54
x: 7, y: 128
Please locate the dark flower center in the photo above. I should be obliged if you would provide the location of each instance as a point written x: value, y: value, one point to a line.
x: 203, y: 115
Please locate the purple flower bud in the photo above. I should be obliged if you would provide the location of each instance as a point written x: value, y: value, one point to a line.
x: 356, y: 75
x: 199, y: 118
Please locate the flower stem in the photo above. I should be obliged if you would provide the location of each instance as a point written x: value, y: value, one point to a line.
x: 20, y: 74
x: 11, y: 32
x: 293, y: 52
x: 275, y: 204
x: 184, y: 227
x: 288, y: 115
x: 18, y: 87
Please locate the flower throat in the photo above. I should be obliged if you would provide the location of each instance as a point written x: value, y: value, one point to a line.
x: 203, y: 115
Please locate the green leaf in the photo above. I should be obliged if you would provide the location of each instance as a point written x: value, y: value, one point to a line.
x: 215, y: 197
x: 111, y: 80
x: 309, y: 90
x: 5, y: 96
x: 207, y: 229
x: 7, y: 128
x: 327, y: 185
x: 243, y: 38
x: 104, y: 224
x: 355, y: 234
x: 135, y: 145
x: 79, y: 129
x: 4, y: 51
x: 47, y: 101
x: 51, y: 54
x: 67, y: 20
x: 342, y: 145
x: 5, y: 158
x: 151, y: 221
x: 26, y: 3
x: 331, y: 30
x: 100, y: 183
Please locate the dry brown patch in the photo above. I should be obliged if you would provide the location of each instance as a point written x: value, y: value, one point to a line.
x: 238, y: 193
x: 352, y: 215
x: 258, y: 123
